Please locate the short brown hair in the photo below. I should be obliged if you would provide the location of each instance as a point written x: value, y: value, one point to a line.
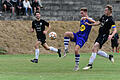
x: 109, y: 8
x: 83, y: 9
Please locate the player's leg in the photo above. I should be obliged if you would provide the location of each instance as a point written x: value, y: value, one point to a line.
x: 116, y: 46
x: 118, y: 49
x: 67, y: 37
x: 77, y: 58
x: 52, y: 49
x: 112, y: 45
x: 113, y: 49
x: 102, y: 53
x: 36, y: 52
x: 93, y: 56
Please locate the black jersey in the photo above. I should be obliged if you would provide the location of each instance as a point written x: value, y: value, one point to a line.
x: 39, y: 26
x: 106, y: 23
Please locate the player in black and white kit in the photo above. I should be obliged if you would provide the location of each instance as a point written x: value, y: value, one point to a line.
x: 106, y: 22
x: 39, y: 25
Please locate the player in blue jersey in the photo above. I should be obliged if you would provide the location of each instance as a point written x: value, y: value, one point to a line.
x: 80, y: 37
x: 106, y: 22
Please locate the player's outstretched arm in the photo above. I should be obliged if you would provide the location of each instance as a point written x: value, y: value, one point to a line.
x: 91, y: 20
x: 96, y: 23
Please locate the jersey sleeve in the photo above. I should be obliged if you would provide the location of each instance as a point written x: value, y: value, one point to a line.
x: 45, y: 23
x: 113, y: 24
x: 33, y: 25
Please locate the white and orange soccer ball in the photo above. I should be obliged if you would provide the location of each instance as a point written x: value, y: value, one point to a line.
x: 52, y: 35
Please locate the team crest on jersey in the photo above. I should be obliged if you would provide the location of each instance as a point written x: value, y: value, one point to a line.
x: 40, y: 24
x: 82, y: 27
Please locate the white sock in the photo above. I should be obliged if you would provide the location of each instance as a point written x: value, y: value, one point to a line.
x: 92, y: 58
x: 36, y: 53
x: 103, y: 54
x: 53, y: 49
x: 66, y: 47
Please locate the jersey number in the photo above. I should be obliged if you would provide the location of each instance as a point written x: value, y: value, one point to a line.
x: 82, y: 28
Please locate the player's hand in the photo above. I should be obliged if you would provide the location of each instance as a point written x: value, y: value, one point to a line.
x: 83, y: 18
x: 110, y: 37
x: 31, y: 30
x: 44, y: 32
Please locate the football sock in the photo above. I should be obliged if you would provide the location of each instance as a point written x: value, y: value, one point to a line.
x: 77, y: 58
x: 36, y: 53
x: 53, y: 49
x: 92, y: 58
x: 103, y: 54
x: 66, y: 42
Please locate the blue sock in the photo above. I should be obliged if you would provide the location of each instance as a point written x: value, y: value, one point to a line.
x: 66, y: 42
x: 77, y: 58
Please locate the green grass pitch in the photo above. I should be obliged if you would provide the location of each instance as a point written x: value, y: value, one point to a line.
x: 50, y: 67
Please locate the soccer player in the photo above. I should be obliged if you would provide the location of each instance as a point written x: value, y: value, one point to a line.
x: 79, y: 37
x: 106, y: 22
x: 39, y: 26
x: 114, y: 43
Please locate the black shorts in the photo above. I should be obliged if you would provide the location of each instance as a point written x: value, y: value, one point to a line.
x: 42, y: 39
x: 101, y: 39
x: 114, y: 43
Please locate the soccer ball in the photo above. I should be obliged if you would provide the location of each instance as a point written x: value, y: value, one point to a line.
x: 52, y: 35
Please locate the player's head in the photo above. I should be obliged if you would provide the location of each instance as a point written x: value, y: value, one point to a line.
x: 83, y: 12
x: 37, y: 14
x: 108, y: 10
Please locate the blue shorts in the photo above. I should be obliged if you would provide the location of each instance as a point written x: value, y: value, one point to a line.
x: 79, y: 40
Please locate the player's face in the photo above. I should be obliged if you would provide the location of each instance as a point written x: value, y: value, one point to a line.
x: 82, y: 13
x: 106, y: 11
x: 38, y: 15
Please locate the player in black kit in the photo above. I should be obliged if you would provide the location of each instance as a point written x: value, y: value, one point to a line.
x: 39, y: 25
x: 106, y: 22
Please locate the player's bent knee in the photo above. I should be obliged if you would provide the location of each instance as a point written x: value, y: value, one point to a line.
x: 68, y: 34
x: 36, y: 47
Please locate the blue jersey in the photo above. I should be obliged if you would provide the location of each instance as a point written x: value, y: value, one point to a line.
x: 84, y: 30
x: 82, y: 35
